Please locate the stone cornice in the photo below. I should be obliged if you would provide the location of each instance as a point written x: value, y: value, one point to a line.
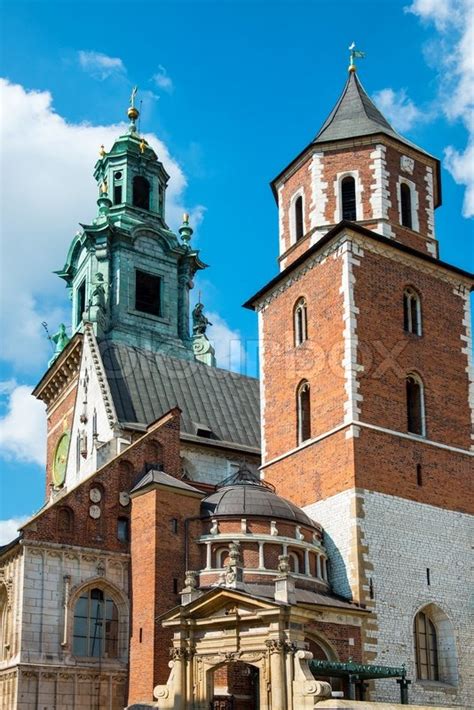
x: 366, y: 239
x: 61, y: 373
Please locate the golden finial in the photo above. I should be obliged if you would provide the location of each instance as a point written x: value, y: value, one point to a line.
x: 185, y: 218
x: 133, y: 113
x: 102, y: 151
x: 143, y: 145
x: 104, y: 187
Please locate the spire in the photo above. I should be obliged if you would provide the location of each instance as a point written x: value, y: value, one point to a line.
x: 355, y: 114
x: 133, y: 113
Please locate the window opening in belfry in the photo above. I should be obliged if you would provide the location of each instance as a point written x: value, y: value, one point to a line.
x: 299, y: 226
x: 348, y: 194
x: 148, y: 293
x: 141, y: 192
x: 405, y: 199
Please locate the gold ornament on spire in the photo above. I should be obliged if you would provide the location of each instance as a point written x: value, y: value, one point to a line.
x: 102, y: 151
x: 143, y: 145
x: 354, y: 54
x: 133, y: 113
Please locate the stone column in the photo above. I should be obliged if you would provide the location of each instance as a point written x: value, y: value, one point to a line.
x: 208, y: 555
x: 277, y: 674
x: 306, y: 562
x: 261, y: 555
x: 178, y: 656
x: 318, y: 566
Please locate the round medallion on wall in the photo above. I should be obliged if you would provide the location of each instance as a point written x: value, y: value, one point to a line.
x: 95, y: 495
x: 124, y: 498
x: 94, y: 511
x: 60, y: 460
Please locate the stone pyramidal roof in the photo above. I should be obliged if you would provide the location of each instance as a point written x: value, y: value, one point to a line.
x: 355, y: 115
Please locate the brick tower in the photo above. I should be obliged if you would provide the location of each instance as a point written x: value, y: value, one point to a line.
x: 367, y: 401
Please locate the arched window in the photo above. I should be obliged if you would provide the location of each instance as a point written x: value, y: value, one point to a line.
x: 299, y: 223
x: 65, y: 520
x: 141, y: 192
x: 415, y: 405
x: 294, y: 562
x: 95, y: 631
x: 303, y: 412
x: 221, y: 555
x: 426, y: 647
x: 300, y: 322
x: 405, y: 205
x: 348, y: 197
x: 411, y: 311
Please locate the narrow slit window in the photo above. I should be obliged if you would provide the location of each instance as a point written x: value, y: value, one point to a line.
x: 405, y: 207
x: 117, y: 194
x: 348, y: 196
x: 415, y: 405
x: 299, y: 223
x: 148, y: 293
x: 303, y: 413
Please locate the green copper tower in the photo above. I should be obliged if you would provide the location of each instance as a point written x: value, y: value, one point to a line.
x: 127, y: 272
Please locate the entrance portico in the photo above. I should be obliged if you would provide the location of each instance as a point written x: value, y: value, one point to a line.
x: 224, y: 627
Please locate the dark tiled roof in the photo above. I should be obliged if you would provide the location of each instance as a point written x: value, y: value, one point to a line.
x: 252, y: 500
x: 164, y: 479
x: 145, y: 385
x: 303, y: 596
x: 355, y: 115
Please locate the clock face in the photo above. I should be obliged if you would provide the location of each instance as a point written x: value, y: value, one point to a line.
x: 60, y: 460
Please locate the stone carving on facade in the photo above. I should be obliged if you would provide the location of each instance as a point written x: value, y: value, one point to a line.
x: 283, y: 564
x: 275, y: 646
x: 273, y: 528
x: 407, y: 164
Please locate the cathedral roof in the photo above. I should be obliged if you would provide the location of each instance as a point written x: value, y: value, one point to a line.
x: 218, y: 405
x: 247, y: 496
x: 355, y: 115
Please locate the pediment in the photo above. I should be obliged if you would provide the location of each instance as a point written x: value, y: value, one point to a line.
x: 221, y: 602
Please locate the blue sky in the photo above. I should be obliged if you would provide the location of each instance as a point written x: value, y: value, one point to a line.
x: 231, y: 92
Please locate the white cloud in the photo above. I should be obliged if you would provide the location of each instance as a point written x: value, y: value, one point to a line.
x: 162, y: 79
x: 23, y: 427
x: 47, y: 188
x: 227, y: 343
x: 9, y: 529
x: 99, y: 65
x: 399, y: 109
x: 452, y: 56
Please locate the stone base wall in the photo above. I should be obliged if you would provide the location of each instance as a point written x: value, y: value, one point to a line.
x: 387, y: 557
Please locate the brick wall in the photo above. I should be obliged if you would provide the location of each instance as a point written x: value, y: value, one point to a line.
x: 158, y: 567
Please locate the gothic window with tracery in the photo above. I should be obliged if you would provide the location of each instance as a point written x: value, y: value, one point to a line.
x: 95, y: 632
x: 426, y: 647
x: 411, y: 311
x: 300, y: 322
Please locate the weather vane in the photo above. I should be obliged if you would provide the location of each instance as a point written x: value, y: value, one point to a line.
x: 354, y: 54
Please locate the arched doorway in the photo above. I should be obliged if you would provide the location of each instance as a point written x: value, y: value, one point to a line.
x: 322, y: 652
x: 236, y: 686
